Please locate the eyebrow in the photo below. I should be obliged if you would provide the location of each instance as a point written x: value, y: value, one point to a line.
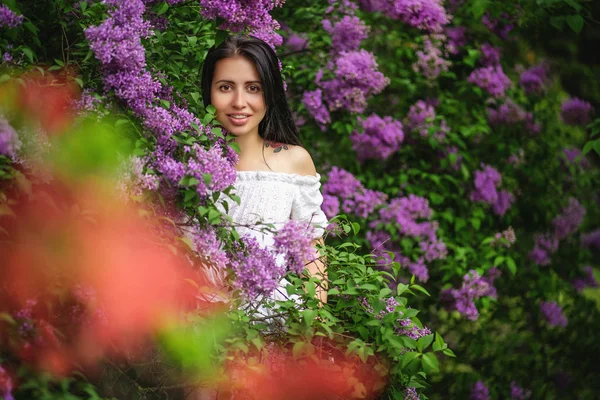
x: 232, y: 82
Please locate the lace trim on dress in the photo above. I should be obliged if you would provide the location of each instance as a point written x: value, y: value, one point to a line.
x: 251, y: 176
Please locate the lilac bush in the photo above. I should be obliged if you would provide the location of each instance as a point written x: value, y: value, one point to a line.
x: 492, y: 79
x: 381, y: 137
x: 553, y: 313
x: 576, y: 112
x: 479, y: 391
x: 8, y: 18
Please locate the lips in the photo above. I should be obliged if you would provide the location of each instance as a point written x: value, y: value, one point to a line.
x: 238, y: 119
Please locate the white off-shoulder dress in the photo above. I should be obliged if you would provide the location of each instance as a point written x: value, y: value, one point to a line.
x: 274, y: 198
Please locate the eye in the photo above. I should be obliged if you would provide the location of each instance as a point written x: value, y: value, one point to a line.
x: 224, y: 87
x: 254, y: 89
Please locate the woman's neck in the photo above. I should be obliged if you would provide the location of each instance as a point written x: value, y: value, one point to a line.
x: 250, y: 146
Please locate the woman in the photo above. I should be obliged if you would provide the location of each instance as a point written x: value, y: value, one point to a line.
x: 276, y: 177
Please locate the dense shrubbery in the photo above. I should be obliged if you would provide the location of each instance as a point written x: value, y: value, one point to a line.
x: 454, y: 185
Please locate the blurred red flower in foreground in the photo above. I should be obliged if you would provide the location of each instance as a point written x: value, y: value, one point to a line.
x: 323, y: 375
x: 101, y: 278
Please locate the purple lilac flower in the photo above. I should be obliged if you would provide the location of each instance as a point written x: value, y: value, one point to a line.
x: 505, y: 200
x: 364, y: 202
x: 9, y: 140
x: 294, y: 240
x: 591, y: 239
x: 411, y: 394
x: 210, y: 162
x: 454, y: 164
x: 572, y: 154
x: 381, y: 137
x: 517, y: 158
x: 347, y: 33
x: 313, y: 101
x: 330, y: 206
x: 209, y: 247
x: 138, y: 179
x: 553, y: 313
x: 490, y: 55
x: 500, y: 26
x: 427, y: 15
x: 87, y: 102
x: 405, y: 327
x: 491, y: 79
x: 510, y: 113
x: 457, y: 38
x: 255, y: 268
x: 420, y: 118
x: 534, y: 79
x: 545, y: 246
x: 486, y: 182
x: 6, y: 385
x: 7, y: 57
x: 576, y: 112
x: 8, y: 18
x: 479, y: 391
x: 341, y: 183
x: 296, y: 43
x: 569, y: 220
x: 239, y: 15
x: 518, y: 393
x: 473, y: 287
x: 430, y: 61
x: 506, y: 238
x: 588, y: 280
x: 356, y: 80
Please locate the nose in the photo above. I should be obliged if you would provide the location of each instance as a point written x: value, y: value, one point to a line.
x: 239, y: 100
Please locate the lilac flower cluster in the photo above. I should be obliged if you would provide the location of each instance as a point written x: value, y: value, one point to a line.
x: 9, y: 140
x: 490, y: 55
x: 576, y: 112
x: 294, y: 240
x: 518, y: 393
x: 572, y: 154
x: 491, y: 79
x: 501, y: 26
x: 240, y: 15
x: 473, y: 287
x: 420, y: 118
x: 457, y: 38
x: 405, y: 327
x: 381, y: 137
x: 534, y: 79
x: 510, y: 113
x: 479, y: 391
x: 406, y: 214
x: 505, y: 238
x: 545, y: 245
x: 296, y: 43
x: 553, y: 313
x: 356, y: 79
x: 487, y: 181
x: 137, y: 178
x: 87, y: 102
x: 430, y: 60
x: 313, y: 101
x: 255, y: 269
x: 8, y: 18
x: 564, y: 224
x: 569, y: 220
x: 209, y: 247
x: 426, y: 15
x: 517, y: 158
x: 210, y: 162
x: 591, y: 239
x: 6, y: 385
x: 588, y: 280
x: 411, y: 394
x: 355, y: 198
x: 347, y: 33
x: 454, y: 157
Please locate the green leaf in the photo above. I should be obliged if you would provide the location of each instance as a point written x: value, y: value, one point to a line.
x: 430, y: 363
x: 420, y: 289
x: 162, y: 9
x: 498, y: 260
x: 424, y: 342
x: 408, y: 357
x: 309, y: 316
x: 298, y: 349
x: 439, y: 343
x: 512, y: 266
x: 448, y: 352
x: 575, y: 22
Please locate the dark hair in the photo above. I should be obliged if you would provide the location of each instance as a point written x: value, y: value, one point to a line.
x: 278, y: 124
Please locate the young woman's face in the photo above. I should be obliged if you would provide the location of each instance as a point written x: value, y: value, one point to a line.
x: 237, y: 94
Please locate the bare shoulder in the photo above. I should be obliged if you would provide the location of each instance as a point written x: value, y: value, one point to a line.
x: 301, y: 162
